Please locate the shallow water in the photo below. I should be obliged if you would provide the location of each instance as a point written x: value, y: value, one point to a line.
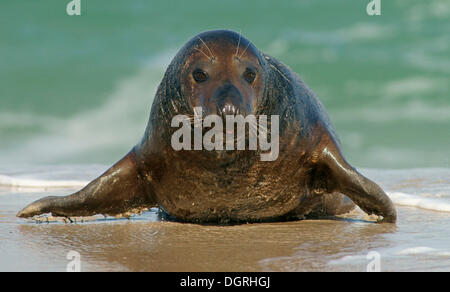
x: 420, y: 241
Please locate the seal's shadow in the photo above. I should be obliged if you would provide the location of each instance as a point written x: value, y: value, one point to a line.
x: 160, y: 215
x: 164, y: 216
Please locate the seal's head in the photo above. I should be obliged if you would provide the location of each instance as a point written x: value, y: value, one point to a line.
x: 222, y: 74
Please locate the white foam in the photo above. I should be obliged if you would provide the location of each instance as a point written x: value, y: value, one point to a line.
x: 433, y: 204
x: 416, y: 250
x: 347, y: 259
x: 14, y: 182
x: 423, y: 250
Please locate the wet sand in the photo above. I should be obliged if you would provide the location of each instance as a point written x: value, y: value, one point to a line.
x: 420, y: 241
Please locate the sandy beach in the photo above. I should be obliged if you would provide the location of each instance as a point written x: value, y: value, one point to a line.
x: 418, y: 242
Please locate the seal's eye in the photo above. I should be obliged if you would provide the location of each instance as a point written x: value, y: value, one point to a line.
x: 200, y: 75
x: 249, y: 75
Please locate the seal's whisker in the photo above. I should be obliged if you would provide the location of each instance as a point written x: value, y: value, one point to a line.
x: 212, y: 55
x: 260, y: 129
x: 203, y: 53
x: 255, y: 129
x: 253, y: 124
x: 281, y: 73
x: 239, y: 42
x: 245, y: 50
x: 193, y: 120
x: 188, y: 117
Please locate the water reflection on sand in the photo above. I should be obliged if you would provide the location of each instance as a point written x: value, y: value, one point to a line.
x: 168, y: 246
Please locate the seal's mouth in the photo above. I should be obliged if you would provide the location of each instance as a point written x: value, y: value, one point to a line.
x: 229, y: 100
x: 234, y: 132
x: 229, y: 110
x: 226, y: 132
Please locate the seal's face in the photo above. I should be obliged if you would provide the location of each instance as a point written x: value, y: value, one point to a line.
x: 223, y: 76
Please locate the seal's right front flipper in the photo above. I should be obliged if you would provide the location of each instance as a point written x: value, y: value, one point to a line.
x: 361, y: 190
x: 119, y: 190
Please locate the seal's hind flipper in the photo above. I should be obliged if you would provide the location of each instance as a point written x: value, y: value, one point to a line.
x: 361, y: 190
x: 119, y: 190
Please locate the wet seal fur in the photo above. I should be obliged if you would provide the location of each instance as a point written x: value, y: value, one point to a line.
x: 225, y: 73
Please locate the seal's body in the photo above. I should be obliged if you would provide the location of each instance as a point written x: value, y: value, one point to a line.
x: 224, y: 74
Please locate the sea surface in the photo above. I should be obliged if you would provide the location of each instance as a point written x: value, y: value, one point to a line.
x: 75, y: 96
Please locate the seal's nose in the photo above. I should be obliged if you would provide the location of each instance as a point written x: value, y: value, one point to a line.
x: 228, y: 109
x: 228, y: 100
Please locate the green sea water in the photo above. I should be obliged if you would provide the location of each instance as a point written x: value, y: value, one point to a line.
x: 78, y: 89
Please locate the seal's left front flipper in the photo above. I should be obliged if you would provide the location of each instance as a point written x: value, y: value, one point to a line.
x: 119, y: 190
x: 361, y: 190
